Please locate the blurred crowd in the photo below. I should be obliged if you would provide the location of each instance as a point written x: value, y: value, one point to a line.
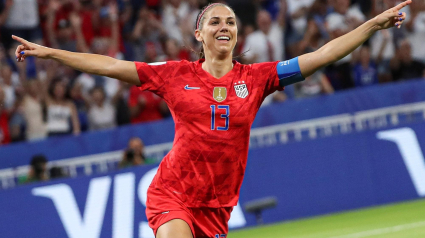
x: 41, y: 98
x: 40, y: 169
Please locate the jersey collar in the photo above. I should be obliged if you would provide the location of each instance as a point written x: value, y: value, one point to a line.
x: 205, y: 75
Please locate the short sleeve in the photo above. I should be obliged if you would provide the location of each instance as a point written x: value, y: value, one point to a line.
x: 266, y: 75
x: 155, y: 77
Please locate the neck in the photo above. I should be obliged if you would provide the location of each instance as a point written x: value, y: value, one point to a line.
x: 218, y: 67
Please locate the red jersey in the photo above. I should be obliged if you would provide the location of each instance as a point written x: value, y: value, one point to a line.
x: 213, y: 117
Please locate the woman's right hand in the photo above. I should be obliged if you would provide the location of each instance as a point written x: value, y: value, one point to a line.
x: 27, y: 48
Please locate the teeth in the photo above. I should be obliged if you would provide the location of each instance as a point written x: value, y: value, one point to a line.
x: 223, y: 38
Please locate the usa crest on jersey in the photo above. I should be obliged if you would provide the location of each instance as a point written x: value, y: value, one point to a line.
x: 241, y: 89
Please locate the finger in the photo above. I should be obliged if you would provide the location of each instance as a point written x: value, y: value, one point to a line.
x: 21, y: 40
x: 400, y: 20
x: 26, y: 53
x: 398, y: 24
x: 18, y: 50
x: 401, y: 5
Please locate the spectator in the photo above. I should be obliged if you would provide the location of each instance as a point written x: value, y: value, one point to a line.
x: 75, y: 93
x: 5, y: 7
x: 38, y: 170
x: 403, y: 66
x: 365, y: 71
x: 57, y: 172
x: 194, y: 8
x: 152, y: 54
x: 98, y: 26
x: 173, y: 15
x: 101, y: 110
x: 383, y: 50
x: 108, y: 43
x: 340, y: 22
x: 22, y: 19
x: 146, y: 35
x: 316, y: 84
x: 297, y: 10
x: 312, y: 39
x: 61, y: 25
x: 416, y: 30
x: 16, y: 120
x: 174, y: 52
x: 60, y: 111
x: 121, y: 107
x: 146, y: 106
x: 32, y: 107
x: 266, y: 43
x: 4, y: 120
x: 135, y: 154
x: 8, y: 87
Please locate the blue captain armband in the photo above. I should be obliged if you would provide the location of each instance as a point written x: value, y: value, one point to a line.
x: 289, y: 72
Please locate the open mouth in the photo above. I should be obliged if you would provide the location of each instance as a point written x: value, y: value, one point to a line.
x: 223, y: 38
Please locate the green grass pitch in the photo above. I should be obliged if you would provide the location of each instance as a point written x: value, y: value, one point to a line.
x: 401, y: 220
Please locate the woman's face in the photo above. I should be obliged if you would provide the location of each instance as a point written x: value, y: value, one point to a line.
x: 219, y: 31
x: 59, y: 91
x: 98, y: 96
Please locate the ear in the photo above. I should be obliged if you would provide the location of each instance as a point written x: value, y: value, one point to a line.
x: 198, y: 35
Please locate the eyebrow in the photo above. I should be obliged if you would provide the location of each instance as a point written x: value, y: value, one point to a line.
x: 219, y: 18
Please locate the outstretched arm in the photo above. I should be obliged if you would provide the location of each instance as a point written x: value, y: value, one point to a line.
x: 88, y: 63
x: 344, y: 45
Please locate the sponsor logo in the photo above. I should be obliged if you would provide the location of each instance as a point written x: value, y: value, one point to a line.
x: 190, y: 88
x: 220, y: 94
x: 125, y: 191
x: 410, y: 150
x: 241, y: 89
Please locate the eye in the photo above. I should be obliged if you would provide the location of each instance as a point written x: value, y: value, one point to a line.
x: 214, y: 22
x: 231, y: 23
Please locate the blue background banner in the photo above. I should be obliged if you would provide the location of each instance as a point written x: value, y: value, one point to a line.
x: 308, y: 178
x: 162, y: 132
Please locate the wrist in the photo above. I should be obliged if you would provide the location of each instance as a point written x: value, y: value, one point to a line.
x: 372, y: 26
x: 51, y: 53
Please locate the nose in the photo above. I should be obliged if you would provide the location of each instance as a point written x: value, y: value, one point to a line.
x: 224, y: 27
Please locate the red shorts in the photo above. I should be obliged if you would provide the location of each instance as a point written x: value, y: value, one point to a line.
x: 203, y: 221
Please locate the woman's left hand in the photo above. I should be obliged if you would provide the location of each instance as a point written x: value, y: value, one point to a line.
x: 392, y: 17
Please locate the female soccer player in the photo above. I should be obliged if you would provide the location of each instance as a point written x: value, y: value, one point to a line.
x: 213, y: 102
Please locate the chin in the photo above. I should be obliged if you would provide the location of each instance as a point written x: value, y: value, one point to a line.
x: 224, y: 48
x: 224, y: 52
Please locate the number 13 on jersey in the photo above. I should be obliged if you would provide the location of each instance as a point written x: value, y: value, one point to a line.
x: 225, y: 116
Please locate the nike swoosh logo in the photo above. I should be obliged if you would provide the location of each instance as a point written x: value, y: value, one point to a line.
x: 165, y: 212
x: 190, y: 88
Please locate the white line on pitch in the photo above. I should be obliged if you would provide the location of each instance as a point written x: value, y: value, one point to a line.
x: 381, y: 231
